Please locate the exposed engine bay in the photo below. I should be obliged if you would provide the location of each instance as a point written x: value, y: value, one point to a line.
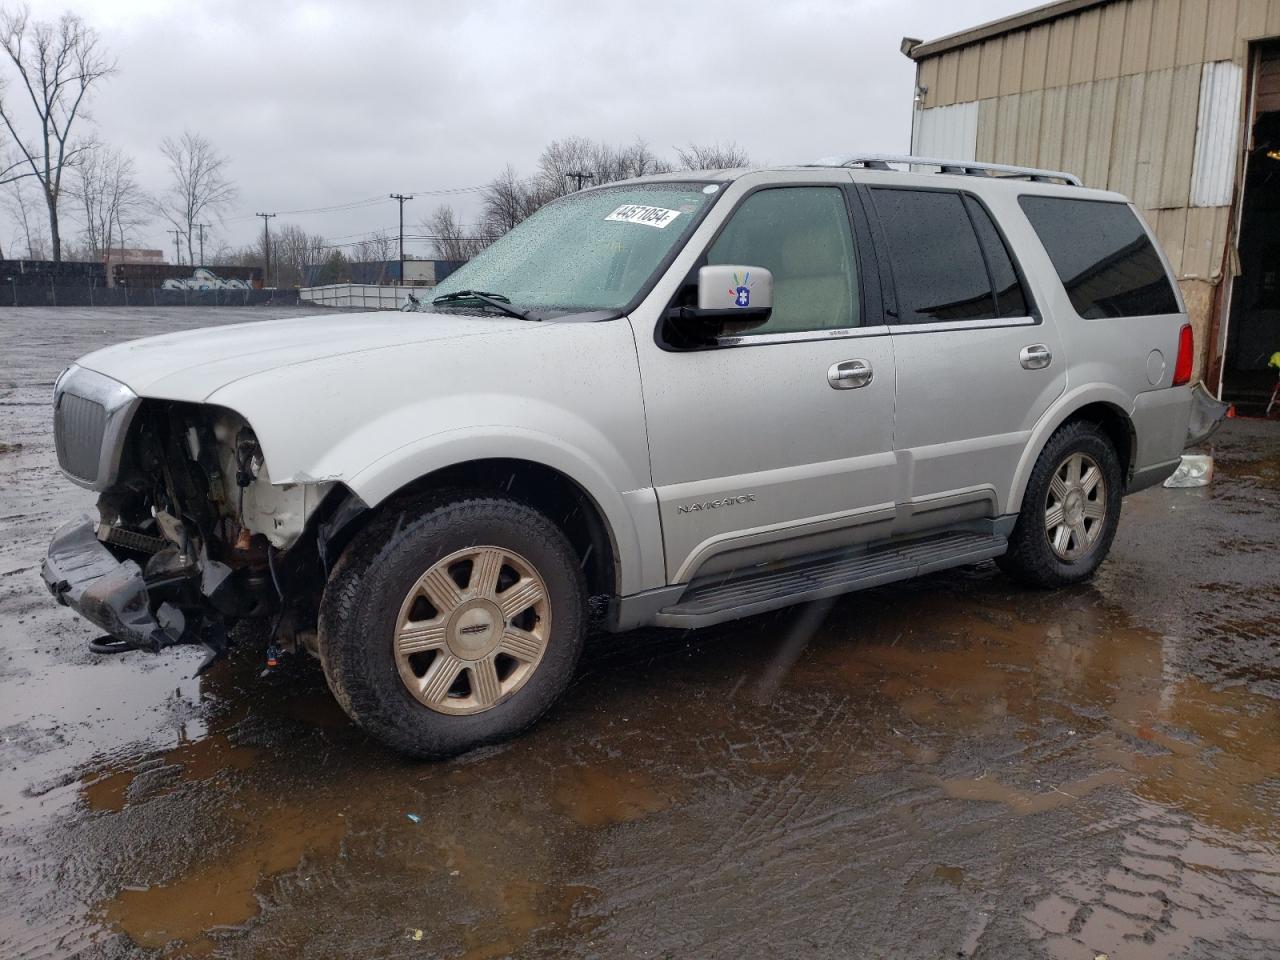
x: 192, y: 537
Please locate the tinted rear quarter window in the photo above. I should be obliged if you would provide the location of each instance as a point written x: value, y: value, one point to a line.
x: 1011, y: 301
x: 1103, y: 257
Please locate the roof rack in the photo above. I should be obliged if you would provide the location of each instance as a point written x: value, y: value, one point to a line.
x: 881, y: 161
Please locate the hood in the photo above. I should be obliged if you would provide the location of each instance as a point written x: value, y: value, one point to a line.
x: 194, y: 364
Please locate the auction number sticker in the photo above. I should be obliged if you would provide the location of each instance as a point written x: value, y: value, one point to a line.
x: 649, y: 216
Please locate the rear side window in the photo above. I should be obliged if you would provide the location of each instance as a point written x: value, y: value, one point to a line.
x: 942, y: 270
x: 1103, y: 257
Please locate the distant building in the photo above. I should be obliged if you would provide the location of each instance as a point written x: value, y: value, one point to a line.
x: 134, y: 255
x: 1175, y: 103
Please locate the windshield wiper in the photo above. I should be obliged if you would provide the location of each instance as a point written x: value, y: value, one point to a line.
x: 495, y: 300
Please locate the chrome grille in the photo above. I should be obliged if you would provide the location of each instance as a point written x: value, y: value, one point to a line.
x: 78, y: 428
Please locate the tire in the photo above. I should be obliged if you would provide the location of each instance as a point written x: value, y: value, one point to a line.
x: 1036, y: 555
x: 392, y: 630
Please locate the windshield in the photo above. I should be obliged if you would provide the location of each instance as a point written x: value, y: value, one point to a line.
x: 594, y: 250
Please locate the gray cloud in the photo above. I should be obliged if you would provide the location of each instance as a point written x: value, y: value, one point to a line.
x: 323, y: 102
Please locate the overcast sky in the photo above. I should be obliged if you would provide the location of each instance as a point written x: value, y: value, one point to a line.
x: 325, y: 102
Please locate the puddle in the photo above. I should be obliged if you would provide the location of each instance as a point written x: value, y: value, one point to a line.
x: 526, y: 908
x: 213, y: 756
x: 1023, y: 802
x: 221, y: 892
x: 596, y: 796
x: 949, y: 875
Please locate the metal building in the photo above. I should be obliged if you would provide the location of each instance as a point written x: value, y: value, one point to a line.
x: 1175, y: 103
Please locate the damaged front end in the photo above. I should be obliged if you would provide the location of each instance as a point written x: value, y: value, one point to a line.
x: 191, y: 536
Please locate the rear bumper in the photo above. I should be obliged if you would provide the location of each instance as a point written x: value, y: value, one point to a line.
x: 84, y: 575
x: 1207, y: 414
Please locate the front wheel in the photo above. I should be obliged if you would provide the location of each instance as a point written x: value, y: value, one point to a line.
x: 452, y: 623
x: 1070, y: 510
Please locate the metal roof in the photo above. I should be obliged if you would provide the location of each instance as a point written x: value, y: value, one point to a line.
x: 996, y: 28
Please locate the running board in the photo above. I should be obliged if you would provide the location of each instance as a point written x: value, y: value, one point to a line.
x: 720, y: 597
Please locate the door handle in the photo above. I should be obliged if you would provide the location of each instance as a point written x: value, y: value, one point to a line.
x: 849, y: 374
x: 1035, y: 357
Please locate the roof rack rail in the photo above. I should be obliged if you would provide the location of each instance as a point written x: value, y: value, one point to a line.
x: 881, y: 161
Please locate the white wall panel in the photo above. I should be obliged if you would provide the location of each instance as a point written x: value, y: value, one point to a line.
x: 947, y: 133
x: 1217, y: 134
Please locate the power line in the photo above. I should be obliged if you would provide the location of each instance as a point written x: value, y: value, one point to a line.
x: 346, y: 205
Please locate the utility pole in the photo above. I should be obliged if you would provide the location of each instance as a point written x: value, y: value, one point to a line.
x: 266, y: 247
x: 177, y: 249
x: 401, y: 198
x: 202, y: 227
x: 578, y: 177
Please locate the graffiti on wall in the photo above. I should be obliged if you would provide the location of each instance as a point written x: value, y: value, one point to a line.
x: 203, y: 279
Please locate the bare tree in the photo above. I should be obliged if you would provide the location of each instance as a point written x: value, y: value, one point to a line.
x: 198, y: 186
x: 713, y: 156
x: 449, y: 238
x: 563, y: 166
x: 293, y: 250
x: 25, y: 210
x: 507, y: 201
x: 377, y: 246
x: 563, y: 163
x: 638, y: 160
x: 58, y: 64
x: 334, y: 268
x: 109, y: 201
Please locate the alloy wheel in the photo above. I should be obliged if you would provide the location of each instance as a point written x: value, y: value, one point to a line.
x: 1076, y: 507
x: 472, y: 630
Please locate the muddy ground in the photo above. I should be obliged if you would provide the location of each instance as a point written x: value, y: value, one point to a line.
x: 955, y: 767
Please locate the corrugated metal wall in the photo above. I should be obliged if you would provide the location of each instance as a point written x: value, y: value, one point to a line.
x: 947, y: 132
x: 1217, y: 134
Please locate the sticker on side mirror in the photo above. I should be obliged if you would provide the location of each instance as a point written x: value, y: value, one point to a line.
x: 649, y: 216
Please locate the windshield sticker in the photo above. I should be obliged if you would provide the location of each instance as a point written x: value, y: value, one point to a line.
x: 649, y: 216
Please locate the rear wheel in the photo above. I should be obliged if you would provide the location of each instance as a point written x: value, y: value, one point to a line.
x: 1070, y: 510
x: 453, y: 623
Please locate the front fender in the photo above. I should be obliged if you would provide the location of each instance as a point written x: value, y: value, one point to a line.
x: 1066, y: 407
x: 631, y: 515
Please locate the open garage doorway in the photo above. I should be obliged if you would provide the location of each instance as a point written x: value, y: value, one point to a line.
x: 1253, y: 333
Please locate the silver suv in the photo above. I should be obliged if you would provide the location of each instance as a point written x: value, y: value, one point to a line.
x: 687, y: 398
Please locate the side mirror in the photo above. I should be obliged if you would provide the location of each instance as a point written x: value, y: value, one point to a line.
x: 741, y: 291
x: 735, y: 291
x: 731, y: 300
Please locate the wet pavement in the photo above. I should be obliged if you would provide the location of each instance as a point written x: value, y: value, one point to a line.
x: 954, y: 767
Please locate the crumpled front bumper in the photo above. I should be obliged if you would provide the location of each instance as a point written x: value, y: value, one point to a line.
x: 84, y: 575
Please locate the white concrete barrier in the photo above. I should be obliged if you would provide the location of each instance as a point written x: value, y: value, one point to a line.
x: 372, y: 296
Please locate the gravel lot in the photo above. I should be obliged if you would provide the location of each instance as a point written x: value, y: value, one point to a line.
x: 955, y: 767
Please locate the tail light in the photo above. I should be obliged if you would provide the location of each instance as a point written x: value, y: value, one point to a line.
x: 1186, y: 356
